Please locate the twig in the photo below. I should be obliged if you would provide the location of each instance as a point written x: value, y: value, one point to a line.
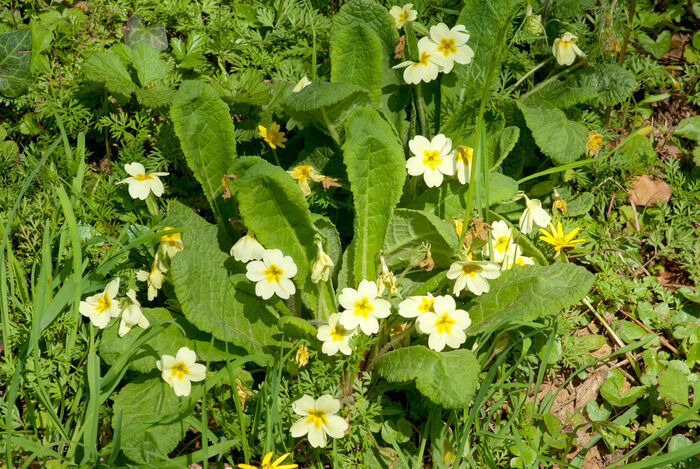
x: 661, y: 339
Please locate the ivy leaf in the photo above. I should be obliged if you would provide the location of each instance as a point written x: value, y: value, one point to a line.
x: 448, y: 379
x: 562, y: 140
x: 450, y: 199
x: 411, y: 228
x: 356, y: 57
x: 527, y: 293
x: 139, y: 402
x: 598, y: 413
x: 137, y: 32
x: 207, y: 137
x: 167, y: 342
x: 611, y: 390
x: 15, y: 58
x: 375, y: 164
x: 658, y: 47
x: 673, y: 386
x: 224, y: 305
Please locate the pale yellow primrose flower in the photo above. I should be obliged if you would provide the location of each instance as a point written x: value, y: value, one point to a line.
x: 273, y: 136
x: 247, y: 249
x: 431, y: 159
x: 501, y: 238
x: 463, y: 156
x: 323, y: 266
x: 180, y: 370
x: 403, y: 15
x: 425, y: 69
x: 154, y: 279
x: 514, y: 257
x: 473, y: 275
x: 445, y: 325
x: 142, y: 183
x: 273, y: 274
x: 102, y: 307
x: 303, y: 83
x: 533, y: 215
x: 450, y: 46
x: 318, y: 419
x: 170, y: 244
x: 303, y: 174
x: 415, y: 306
x: 267, y: 463
x: 132, y: 315
x: 558, y: 239
x: 565, y: 49
x: 363, y: 308
x: 335, y: 337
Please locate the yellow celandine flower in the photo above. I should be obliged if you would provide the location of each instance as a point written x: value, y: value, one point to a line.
x: 180, y: 370
x: 593, y: 143
x: 273, y: 136
x: 267, y: 463
x: 463, y: 163
x: 403, y: 15
x: 170, y: 244
x: 303, y: 174
x: 301, y: 358
x: 558, y: 239
x: 565, y: 49
x: 318, y: 419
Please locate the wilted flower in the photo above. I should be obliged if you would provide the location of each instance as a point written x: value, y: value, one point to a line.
x: 301, y: 358
x: 473, y: 275
x: 425, y: 69
x: 273, y: 136
x: 303, y: 83
x: 403, y: 15
x: 565, y: 49
x: 132, y: 315
x: 432, y: 159
x: 363, y: 308
x: 304, y: 173
x: 180, y: 370
x: 558, y: 239
x: 142, y: 183
x: 318, y: 419
x: 593, y: 143
x: 273, y: 274
x: 450, y: 46
x: 445, y: 324
x: 386, y: 279
x: 101, y: 308
x: 335, y: 337
x: 533, y: 215
x: 247, y: 248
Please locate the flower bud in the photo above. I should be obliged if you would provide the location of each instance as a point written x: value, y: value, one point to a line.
x: 321, y: 270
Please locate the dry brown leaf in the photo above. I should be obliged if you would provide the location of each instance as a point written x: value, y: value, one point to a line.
x: 647, y: 192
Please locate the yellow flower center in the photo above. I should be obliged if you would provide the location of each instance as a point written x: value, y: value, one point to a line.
x: 465, y: 154
x: 444, y: 324
x: 431, y: 158
x: 470, y: 269
x: 273, y: 273
x: 565, y: 44
x: 403, y: 16
x: 171, y: 239
x: 501, y: 243
x: 317, y: 417
x: 301, y: 173
x: 363, y: 308
x: 143, y: 177
x: 447, y: 47
x: 338, y: 333
x: 103, y: 304
x: 519, y: 261
x: 426, y: 305
x: 179, y: 370
x: 422, y: 60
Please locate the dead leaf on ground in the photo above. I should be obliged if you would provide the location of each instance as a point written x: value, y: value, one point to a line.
x: 646, y: 192
x: 105, y: 166
x: 588, y: 390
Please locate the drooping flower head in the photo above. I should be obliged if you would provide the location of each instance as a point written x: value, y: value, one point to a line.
x: 363, y: 308
x: 565, y: 49
x: 102, y: 307
x: 179, y: 371
x: 132, y: 315
x: 247, y: 248
x: 318, y: 419
x: 463, y: 163
x: 323, y: 265
x: 445, y: 324
x: 303, y: 83
x: 272, y: 135
x: 170, y: 243
x: 450, y: 46
x: 403, y: 15
x: 142, y: 183
x: 431, y: 159
x: 154, y: 279
x: 335, y: 337
x: 533, y: 215
x: 426, y: 69
x: 558, y: 239
x: 273, y: 274
x: 473, y: 275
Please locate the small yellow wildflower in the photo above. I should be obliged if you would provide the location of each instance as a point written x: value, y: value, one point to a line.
x: 267, y: 463
x: 302, y: 356
x: 273, y: 136
x: 593, y: 144
x: 558, y: 239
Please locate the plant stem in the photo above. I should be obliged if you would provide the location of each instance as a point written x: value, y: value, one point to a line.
x: 420, y: 110
x: 544, y: 83
x: 533, y: 70
x: 557, y: 169
x: 329, y: 126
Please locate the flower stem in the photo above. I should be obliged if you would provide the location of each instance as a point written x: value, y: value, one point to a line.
x: 152, y: 205
x: 277, y: 160
x: 420, y: 110
x: 329, y: 126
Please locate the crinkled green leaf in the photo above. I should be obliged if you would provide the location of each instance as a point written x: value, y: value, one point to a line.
x: 206, y: 133
x: 109, y: 68
x: 141, y: 401
x: 411, y: 228
x: 148, y: 64
x: 375, y: 164
x: 562, y: 140
x: 137, y: 32
x: 613, y: 84
x: 356, y: 57
x: 15, y: 58
x: 167, y: 342
x: 449, y: 200
x: 446, y: 378
x: 526, y: 293
x: 224, y: 305
x: 673, y: 386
